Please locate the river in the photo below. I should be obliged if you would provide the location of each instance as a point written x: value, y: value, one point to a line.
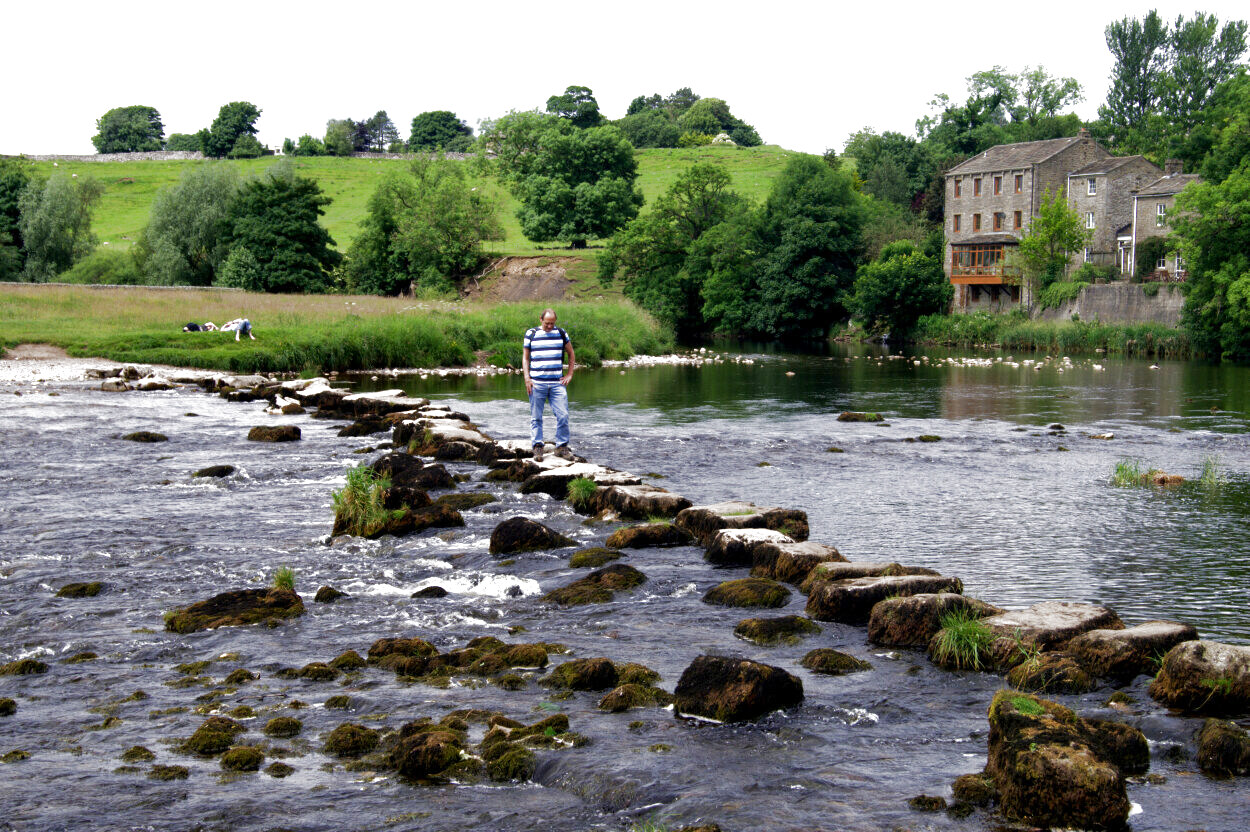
x: 1020, y: 510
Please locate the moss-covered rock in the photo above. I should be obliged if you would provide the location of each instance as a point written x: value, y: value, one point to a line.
x: 833, y: 663
x: 593, y: 557
x: 702, y: 522
x: 638, y: 502
x: 384, y: 651
x: 274, y: 433
x: 1045, y: 626
x: 837, y: 570
x: 737, y: 547
x: 791, y: 563
x: 646, y: 536
x: 214, y: 736
x: 464, y: 502
x: 282, y: 727
x: 927, y: 803
x: 328, y: 595
x: 1123, y: 655
x: 8, y: 707
x: 279, y: 770
x: 403, y: 521
x: 214, y: 472
x: 138, y: 754
x: 516, y: 762
x: 347, y: 660
x: 364, y: 427
x: 351, y: 740
x: 785, y: 629
x: 597, y: 587
x: 23, y: 667
x: 976, y: 789
x: 748, y: 592
x: 240, y: 676
x: 146, y: 436
x: 584, y: 674
x: 630, y: 695
x: 1051, y: 673
x: 1205, y: 677
x: 854, y: 416
x: 160, y: 772
x: 912, y: 620
x: 521, y: 534
x: 734, y: 690
x: 1223, y: 749
x: 424, y: 753
x: 851, y: 601
x: 79, y: 658
x: 236, y: 608
x: 80, y: 590
x: 318, y: 672
x: 242, y: 758
x: 340, y: 702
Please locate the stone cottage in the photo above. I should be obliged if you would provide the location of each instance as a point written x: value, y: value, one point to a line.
x: 1102, y: 194
x: 1153, y: 203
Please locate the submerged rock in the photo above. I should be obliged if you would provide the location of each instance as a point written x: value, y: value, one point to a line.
x: 911, y: 620
x: 1205, y: 677
x: 851, y: 601
x: 364, y: 427
x: 788, y: 629
x: 464, y: 502
x: 8, y: 707
x: 748, y: 592
x: 215, y: 735
x: 23, y: 667
x: 646, y: 536
x: 217, y: 471
x: 283, y: 727
x: 633, y: 695
x: 1223, y: 749
x: 703, y: 522
x: 351, y: 740
x: 852, y: 416
x: 593, y: 557
x: 597, y: 587
x: 430, y: 592
x: 242, y: 758
x: 80, y: 590
x: 274, y: 433
x: 833, y: 663
x: 734, y: 690
x: 237, y: 608
x: 1122, y: 655
x: 520, y: 534
x: 737, y: 547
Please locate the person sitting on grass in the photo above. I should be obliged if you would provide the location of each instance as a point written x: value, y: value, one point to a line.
x: 241, y: 326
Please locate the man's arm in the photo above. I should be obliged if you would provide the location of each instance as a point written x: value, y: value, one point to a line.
x: 525, y: 370
x: 568, y: 348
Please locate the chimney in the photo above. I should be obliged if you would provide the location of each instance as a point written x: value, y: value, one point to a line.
x: 1172, y: 167
x: 1082, y: 134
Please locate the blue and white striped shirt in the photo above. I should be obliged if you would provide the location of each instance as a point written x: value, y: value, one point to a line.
x: 546, y: 353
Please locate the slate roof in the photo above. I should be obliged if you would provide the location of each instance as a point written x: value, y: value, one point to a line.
x: 1168, y: 185
x: 1105, y: 165
x: 1013, y: 156
x: 987, y: 238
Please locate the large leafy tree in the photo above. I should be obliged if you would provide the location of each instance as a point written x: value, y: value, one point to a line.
x: 650, y: 128
x: 1212, y: 222
x: 1138, y: 47
x: 55, y: 224
x: 1202, y: 55
x: 181, y: 244
x: 1230, y: 120
x: 233, y: 120
x: 893, y: 291
x: 275, y: 217
x: 1052, y: 237
x: 129, y: 130
x: 439, y: 130
x: 14, y: 177
x: 424, y: 228
x: 340, y: 137
x: 578, y: 105
x: 711, y: 116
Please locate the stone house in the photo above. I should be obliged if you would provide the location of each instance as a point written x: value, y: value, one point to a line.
x: 1102, y: 195
x: 1152, y: 204
x: 990, y: 199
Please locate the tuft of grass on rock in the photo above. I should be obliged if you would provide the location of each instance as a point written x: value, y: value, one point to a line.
x: 359, y: 502
x: 581, y: 492
x: 962, y: 642
x: 284, y: 578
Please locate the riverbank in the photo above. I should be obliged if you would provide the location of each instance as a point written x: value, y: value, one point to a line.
x: 306, y: 333
x: 981, y: 330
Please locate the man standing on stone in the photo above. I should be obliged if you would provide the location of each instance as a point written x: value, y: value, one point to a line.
x: 542, y: 361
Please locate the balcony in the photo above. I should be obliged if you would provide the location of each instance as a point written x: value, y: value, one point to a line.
x: 982, y: 264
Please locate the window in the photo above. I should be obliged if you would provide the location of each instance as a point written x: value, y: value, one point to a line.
x: 1019, y: 183
x: 958, y: 189
x: 998, y: 220
x: 1019, y: 220
x: 1089, y: 219
x: 976, y: 222
x: 1180, y: 264
x: 955, y: 223
x: 998, y: 185
x: 1161, y: 213
x: 1162, y: 264
x: 1089, y: 255
x: 1092, y: 184
x: 976, y: 187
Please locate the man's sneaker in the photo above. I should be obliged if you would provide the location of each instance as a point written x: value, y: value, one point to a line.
x: 538, y: 453
x: 563, y: 452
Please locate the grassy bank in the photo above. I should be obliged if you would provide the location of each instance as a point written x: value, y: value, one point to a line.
x: 1015, y: 332
x: 297, y: 333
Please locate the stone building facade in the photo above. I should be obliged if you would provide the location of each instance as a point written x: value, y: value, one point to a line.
x: 1152, y: 205
x: 990, y: 201
x: 1102, y: 195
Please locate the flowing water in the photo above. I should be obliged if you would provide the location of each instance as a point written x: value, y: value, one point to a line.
x: 1021, y: 511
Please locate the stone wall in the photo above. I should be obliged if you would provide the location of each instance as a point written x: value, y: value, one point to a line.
x: 1121, y: 303
x: 153, y: 156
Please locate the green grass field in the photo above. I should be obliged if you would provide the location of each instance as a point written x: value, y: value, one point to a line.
x: 129, y: 187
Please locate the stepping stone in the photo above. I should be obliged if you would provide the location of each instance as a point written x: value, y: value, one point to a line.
x: 737, y: 547
x: 851, y: 601
x: 704, y: 521
x: 1123, y: 655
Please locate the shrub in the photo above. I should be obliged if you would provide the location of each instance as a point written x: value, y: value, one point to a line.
x: 1057, y: 294
x: 106, y: 266
x: 359, y: 502
x: 1148, y: 253
x: 1091, y: 273
x: 962, y: 640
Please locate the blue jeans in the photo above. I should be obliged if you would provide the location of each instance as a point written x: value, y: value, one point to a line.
x: 554, y: 392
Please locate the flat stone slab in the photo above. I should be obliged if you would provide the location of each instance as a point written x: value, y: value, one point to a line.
x: 637, y: 502
x: 843, y: 570
x: 702, y: 522
x: 792, y: 562
x: 1205, y: 677
x: 736, y: 547
x: 1051, y: 623
x: 1123, y: 655
x: 554, y: 479
x: 851, y: 601
x: 912, y: 620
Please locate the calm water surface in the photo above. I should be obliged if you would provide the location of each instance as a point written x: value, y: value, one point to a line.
x: 1021, y: 512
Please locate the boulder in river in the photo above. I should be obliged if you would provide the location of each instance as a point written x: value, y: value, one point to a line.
x: 215, y: 471
x: 521, y: 534
x: 351, y: 740
x: 1205, y: 677
x: 80, y: 590
x: 23, y: 667
x: 402, y: 521
x: 1051, y: 672
x: 424, y: 750
x: 1123, y: 655
x: 274, y: 433
x: 634, y: 695
x: 748, y: 592
x: 911, y: 620
x: 736, y: 547
x: 236, y: 608
x: 853, y: 416
x: 647, y: 536
x: 597, y: 587
x: 703, y: 522
x: 8, y: 707
x: 328, y: 595
x: 1045, y: 626
x: 638, y: 502
x: 787, y: 629
x: 791, y: 562
x: 593, y: 557
x: 851, y: 601
x: 833, y: 663
x: 467, y: 501
x: 836, y: 570
x: 364, y: 427
x: 584, y: 674
x: 1223, y: 749
x: 734, y: 690
x: 146, y: 436
x: 385, y: 651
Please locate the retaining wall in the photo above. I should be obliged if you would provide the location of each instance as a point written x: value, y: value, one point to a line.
x: 1121, y: 303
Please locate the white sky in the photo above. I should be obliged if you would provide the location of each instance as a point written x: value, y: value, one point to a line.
x: 806, y: 75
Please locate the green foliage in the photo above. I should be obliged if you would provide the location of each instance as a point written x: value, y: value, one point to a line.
x: 338, y: 138
x: 358, y: 504
x: 1052, y: 236
x: 275, y: 217
x: 892, y: 292
x: 14, y: 177
x: 1212, y: 223
x: 233, y: 120
x: 894, y: 168
x: 577, y: 105
x: 246, y: 147
x: 1149, y: 252
x: 129, y: 130
x: 581, y: 491
x: 55, y: 224
x: 1091, y: 273
x: 650, y: 128
x: 284, y: 578
x: 1138, y: 47
x: 308, y: 146
x: 963, y: 640
x: 1229, y: 118
x: 1057, y: 294
x: 187, y: 142
x: 439, y: 130
x: 1212, y: 478
x: 1128, y: 472
x: 689, y: 139
x: 1017, y: 332
x: 711, y: 116
x: 105, y: 266
x: 424, y: 228
x: 241, y: 271
x: 181, y: 244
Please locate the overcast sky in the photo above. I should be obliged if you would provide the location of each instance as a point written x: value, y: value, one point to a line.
x: 806, y: 75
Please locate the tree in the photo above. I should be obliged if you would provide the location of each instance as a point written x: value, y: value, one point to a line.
x: 1201, y: 56
x: 1230, y: 117
x: 650, y: 128
x: 233, y: 120
x: 186, y: 142
x: 339, y: 134
x: 129, y: 130
x: 246, y: 147
x: 711, y: 116
x: 1052, y: 236
x: 578, y: 105
x: 892, y: 292
x: 14, y: 177
x: 1212, y: 223
x: 308, y: 146
x: 439, y: 130
x: 181, y: 245
x: 275, y: 218
x: 424, y: 229
x: 380, y: 131
x: 55, y: 224
x: 1042, y: 96
x: 1138, y: 49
